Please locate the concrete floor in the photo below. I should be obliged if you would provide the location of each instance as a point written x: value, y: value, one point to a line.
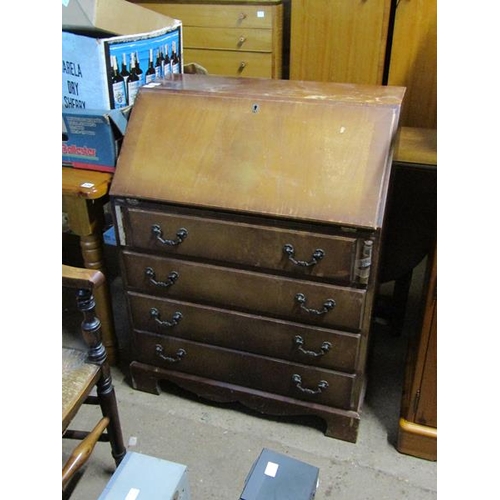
x: 219, y: 443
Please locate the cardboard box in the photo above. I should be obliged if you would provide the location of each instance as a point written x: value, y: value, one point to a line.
x: 275, y: 476
x: 92, y: 138
x: 117, y: 17
x: 99, y: 33
x: 143, y: 477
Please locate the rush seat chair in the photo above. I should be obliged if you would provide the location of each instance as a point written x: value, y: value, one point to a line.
x: 86, y: 378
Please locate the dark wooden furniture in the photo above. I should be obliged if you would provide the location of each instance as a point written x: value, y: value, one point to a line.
x: 418, y: 423
x: 411, y: 219
x: 249, y: 215
x: 86, y: 371
x: 84, y: 193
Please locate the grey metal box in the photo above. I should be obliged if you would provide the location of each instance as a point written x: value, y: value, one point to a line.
x: 275, y: 476
x: 141, y: 477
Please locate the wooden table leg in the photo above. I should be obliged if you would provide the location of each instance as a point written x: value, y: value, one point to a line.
x: 85, y: 219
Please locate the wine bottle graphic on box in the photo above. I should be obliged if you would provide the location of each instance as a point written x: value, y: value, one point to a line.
x: 166, y: 62
x: 174, y: 58
x: 119, y: 91
x: 124, y: 71
x: 159, y: 63
x: 138, y: 70
x: 133, y: 81
x: 150, y: 73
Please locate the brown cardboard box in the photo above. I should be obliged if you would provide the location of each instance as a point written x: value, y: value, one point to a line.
x: 115, y: 16
x: 96, y: 33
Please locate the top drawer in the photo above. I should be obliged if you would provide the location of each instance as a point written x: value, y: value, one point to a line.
x: 297, y: 252
x: 218, y: 16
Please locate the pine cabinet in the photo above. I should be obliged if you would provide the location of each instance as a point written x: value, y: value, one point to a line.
x: 340, y: 41
x: 390, y: 42
x: 413, y: 61
x: 229, y: 37
x: 418, y: 423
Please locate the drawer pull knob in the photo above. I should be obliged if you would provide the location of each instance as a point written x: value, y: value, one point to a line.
x: 243, y: 65
x: 298, y: 342
x: 328, y: 305
x: 297, y: 380
x: 178, y: 355
x: 242, y: 16
x: 171, y: 279
x: 241, y: 40
x: 155, y: 314
x: 317, y: 255
x: 181, y: 235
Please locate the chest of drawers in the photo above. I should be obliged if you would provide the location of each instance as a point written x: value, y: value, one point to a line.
x: 228, y: 37
x: 249, y: 214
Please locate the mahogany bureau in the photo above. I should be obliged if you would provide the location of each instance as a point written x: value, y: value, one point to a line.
x: 249, y: 216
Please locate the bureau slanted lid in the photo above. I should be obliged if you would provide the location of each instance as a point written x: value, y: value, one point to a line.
x: 306, y: 151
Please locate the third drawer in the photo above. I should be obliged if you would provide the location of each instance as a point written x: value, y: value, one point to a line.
x: 306, y: 344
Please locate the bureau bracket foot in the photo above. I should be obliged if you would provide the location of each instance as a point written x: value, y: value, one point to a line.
x: 144, y: 380
x: 340, y: 424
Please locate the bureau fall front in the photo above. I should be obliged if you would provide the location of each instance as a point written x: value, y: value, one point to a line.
x: 249, y: 215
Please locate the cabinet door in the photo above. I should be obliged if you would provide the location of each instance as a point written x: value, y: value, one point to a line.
x: 414, y: 65
x: 426, y: 411
x: 341, y: 41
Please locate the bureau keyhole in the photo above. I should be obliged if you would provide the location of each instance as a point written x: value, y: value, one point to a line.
x: 255, y: 108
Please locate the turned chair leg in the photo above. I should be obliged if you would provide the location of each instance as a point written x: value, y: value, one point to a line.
x: 91, y: 331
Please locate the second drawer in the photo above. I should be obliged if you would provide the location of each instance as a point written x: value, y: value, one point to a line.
x: 228, y: 39
x: 297, y: 300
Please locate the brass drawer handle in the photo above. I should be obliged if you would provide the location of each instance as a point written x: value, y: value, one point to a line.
x: 328, y: 305
x: 298, y: 342
x: 171, y: 279
x: 297, y: 380
x: 155, y: 314
x: 178, y: 355
x: 158, y: 233
x: 317, y: 255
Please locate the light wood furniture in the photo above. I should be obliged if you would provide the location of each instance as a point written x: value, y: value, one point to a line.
x: 249, y: 251
x: 413, y: 61
x: 231, y: 38
x: 84, y: 193
x: 418, y: 423
x: 374, y: 42
x: 84, y: 371
x: 416, y: 145
x: 341, y: 41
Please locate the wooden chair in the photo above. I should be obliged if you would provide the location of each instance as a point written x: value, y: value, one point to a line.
x: 86, y: 378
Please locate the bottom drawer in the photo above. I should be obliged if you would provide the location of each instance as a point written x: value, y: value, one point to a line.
x: 294, y: 380
x: 231, y: 63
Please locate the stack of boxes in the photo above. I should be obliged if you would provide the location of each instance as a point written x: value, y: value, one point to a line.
x: 110, y: 48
